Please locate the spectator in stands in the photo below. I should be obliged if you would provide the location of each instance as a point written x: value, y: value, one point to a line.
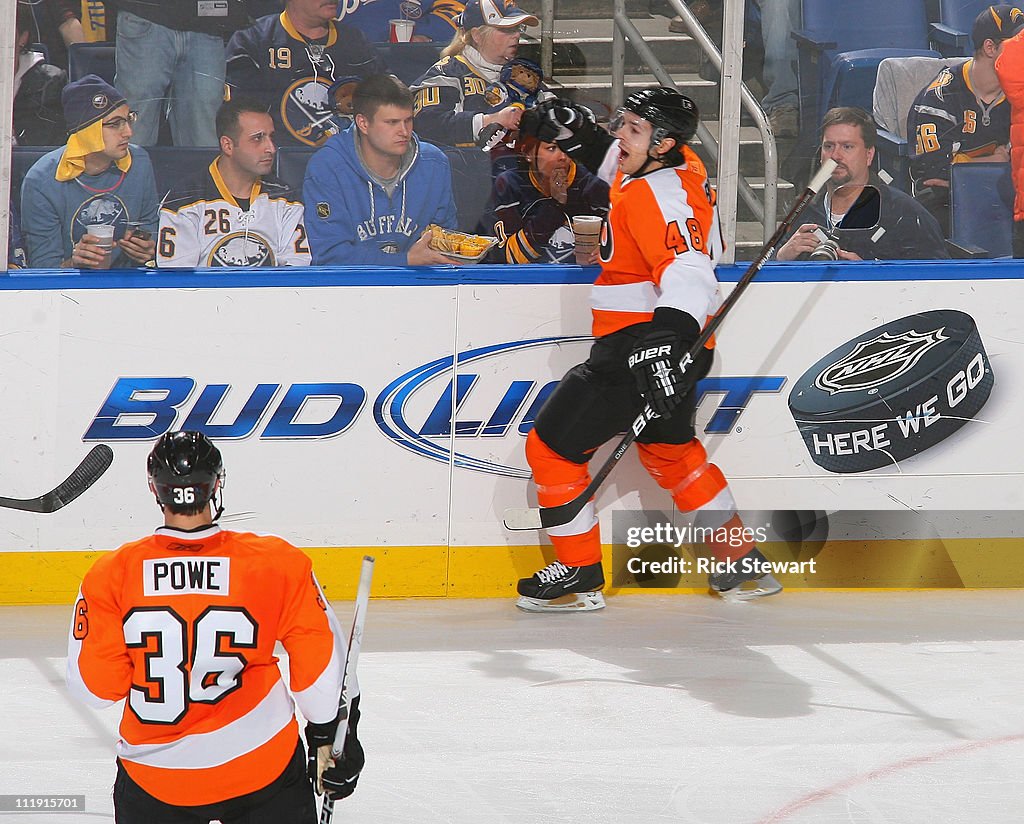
x: 235, y: 213
x: 38, y: 118
x: 1010, y: 69
x: 535, y: 203
x: 171, y: 55
x: 779, y: 19
x: 962, y: 115
x: 290, y: 61
x: 452, y: 104
x: 55, y: 24
x: 15, y: 239
x: 432, y: 19
x: 371, y: 192
x: 96, y: 179
x: 904, y: 230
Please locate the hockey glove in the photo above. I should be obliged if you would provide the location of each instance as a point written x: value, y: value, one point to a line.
x: 571, y: 126
x: 655, y: 360
x: 335, y: 777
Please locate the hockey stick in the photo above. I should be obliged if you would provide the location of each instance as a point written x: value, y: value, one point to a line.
x: 355, y: 641
x: 85, y: 475
x: 547, y: 517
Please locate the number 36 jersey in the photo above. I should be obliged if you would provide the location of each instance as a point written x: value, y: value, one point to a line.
x: 659, y: 246
x: 203, y: 224
x: 183, y: 625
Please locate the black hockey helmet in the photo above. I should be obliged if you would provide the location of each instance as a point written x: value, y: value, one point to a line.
x: 670, y: 113
x: 185, y: 472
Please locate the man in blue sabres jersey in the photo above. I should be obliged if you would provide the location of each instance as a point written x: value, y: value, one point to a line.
x: 291, y: 60
x: 432, y: 19
x: 962, y: 115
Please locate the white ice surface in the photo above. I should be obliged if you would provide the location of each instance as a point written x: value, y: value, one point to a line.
x: 809, y: 707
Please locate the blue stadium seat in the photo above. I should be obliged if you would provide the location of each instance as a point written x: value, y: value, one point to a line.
x: 91, y: 58
x: 175, y: 165
x: 408, y: 61
x: 22, y: 159
x: 830, y: 28
x: 951, y: 36
x: 291, y: 165
x: 853, y: 75
x: 981, y: 207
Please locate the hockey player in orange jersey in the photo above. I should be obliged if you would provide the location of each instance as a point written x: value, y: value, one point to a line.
x: 660, y: 243
x: 183, y: 624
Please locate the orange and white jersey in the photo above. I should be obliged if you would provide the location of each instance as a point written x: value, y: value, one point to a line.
x: 183, y: 625
x: 659, y: 246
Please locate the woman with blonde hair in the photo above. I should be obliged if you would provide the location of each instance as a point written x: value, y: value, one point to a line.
x: 455, y: 98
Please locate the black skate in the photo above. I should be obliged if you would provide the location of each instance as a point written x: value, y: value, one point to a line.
x: 730, y: 586
x: 558, y: 587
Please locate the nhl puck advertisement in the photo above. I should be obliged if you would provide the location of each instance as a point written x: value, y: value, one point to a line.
x: 892, y: 392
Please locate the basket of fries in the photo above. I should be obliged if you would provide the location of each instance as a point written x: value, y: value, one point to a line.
x: 459, y: 245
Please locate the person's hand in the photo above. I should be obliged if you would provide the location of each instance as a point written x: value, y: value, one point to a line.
x: 420, y: 38
x: 844, y: 255
x: 1002, y: 154
x: 559, y: 185
x: 420, y: 254
x: 803, y: 242
x: 938, y: 181
x: 588, y: 258
x: 139, y: 250
x: 87, y: 253
x: 508, y: 117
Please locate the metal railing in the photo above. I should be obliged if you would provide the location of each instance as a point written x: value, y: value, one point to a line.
x: 733, y: 93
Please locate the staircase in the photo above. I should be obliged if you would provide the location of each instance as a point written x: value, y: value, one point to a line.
x: 582, y: 71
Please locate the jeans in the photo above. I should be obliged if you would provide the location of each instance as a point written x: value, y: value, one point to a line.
x: 183, y: 71
x: 778, y: 19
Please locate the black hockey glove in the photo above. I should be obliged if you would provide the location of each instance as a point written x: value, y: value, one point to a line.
x: 571, y: 126
x: 655, y: 359
x: 337, y: 779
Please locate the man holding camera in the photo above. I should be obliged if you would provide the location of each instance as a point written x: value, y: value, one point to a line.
x: 856, y: 216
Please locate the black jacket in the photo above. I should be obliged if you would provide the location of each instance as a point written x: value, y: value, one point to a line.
x: 905, y: 229
x: 38, y: 114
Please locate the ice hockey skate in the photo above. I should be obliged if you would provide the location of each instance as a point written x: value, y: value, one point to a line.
x: 561, y: 588
x: 742, y: 586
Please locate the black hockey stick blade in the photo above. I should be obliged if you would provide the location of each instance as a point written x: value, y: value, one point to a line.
x: 85, y: 475
x: 547, y: 517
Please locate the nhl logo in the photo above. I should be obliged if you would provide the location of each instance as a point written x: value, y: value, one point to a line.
x: 877, y: 361
x: 99, y: 101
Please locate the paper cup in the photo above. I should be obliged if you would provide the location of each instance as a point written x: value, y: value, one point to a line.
x: 105, y: 234
x: 400, y: 30
x: 587, y: 229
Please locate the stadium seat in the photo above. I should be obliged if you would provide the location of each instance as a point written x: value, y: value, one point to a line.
x: 22, y: 159
x: 408, y: 61
x: 830, y: 29
x: 471, y: 184
x: 91, y: 58
x: 175, y: 165
x: 900, y: 80
x: 291, y: 165
x: 981, y: 207
x: 951, y: 36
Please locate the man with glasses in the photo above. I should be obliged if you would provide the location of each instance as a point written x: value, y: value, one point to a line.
x: 92, y: 203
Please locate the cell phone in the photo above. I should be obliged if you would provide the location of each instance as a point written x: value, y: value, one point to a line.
x: 139, y: 232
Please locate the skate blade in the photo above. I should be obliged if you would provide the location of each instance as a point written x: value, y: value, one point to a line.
x: 576, y: 602
x: 760, y: 588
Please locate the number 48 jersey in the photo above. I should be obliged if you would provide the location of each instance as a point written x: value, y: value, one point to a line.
x: 184, y: 625
x: 203, y: 224
x: 659, y: 246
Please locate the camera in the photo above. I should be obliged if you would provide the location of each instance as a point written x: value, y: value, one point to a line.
x: 827, y: 248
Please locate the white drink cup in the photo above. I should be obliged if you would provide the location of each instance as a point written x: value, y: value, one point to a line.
x: 104, y: 232
x: 587, y: 229
x: 401, y: 30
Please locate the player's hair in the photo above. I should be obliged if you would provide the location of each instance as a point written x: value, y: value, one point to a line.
x: 231, y: 110
x: 23, y: 22
x: 380, y: 90
x: 852, y: 116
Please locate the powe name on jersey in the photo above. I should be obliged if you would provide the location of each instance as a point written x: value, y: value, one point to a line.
x: 186, y: 576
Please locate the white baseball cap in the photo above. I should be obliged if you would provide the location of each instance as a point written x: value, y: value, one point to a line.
x: 500, y: 13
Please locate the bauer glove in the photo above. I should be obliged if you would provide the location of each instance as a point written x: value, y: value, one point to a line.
x: 571, y: 126
x: 655, y: 360
x: 338, y: 777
